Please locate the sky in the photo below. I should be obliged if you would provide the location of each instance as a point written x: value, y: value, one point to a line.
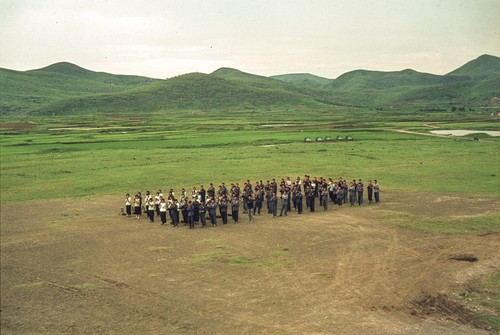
x: 165, y: 38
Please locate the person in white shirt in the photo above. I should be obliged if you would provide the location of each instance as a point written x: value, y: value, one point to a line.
x: 163, y: 211
x: 128, y: 204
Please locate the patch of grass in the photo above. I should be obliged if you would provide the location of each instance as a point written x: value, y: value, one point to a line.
x: 224, y: 257
x: 477, y: 224
x: 56, y: 224
x: 486, y: 293
x: 325, y: 275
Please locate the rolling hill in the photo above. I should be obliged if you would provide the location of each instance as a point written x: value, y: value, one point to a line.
x: 65, y: 88
x: 196, y: 91
x: 22, y: 92
x: 471, y: 83
x: 303, y: 79
x: 483, y: 67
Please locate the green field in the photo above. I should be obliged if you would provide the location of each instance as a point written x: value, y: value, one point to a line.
x: 75, y: 156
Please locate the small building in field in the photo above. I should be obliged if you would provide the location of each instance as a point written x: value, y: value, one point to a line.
x: 328, y: 138
x: 349, y: 138
x: 319, y: 139
x: 307, y: 139
x: 340, y: 138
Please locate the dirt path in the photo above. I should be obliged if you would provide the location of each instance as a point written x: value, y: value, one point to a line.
x: 403, y: 131
x: 78, y: 267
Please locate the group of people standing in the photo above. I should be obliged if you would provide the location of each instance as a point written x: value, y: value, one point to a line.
x: 279, y: 198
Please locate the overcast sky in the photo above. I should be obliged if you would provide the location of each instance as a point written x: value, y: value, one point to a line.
x: 164, y: 38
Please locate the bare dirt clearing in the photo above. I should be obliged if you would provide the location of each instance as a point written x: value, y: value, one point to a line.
x: 76, y: 266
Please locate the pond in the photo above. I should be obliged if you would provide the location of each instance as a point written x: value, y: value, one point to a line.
x: 463, y: 132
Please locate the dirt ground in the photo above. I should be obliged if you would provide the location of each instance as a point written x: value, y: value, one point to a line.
x: 78, y: 267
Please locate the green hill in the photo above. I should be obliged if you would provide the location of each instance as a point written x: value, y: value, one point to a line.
x: 189, y: 91
x: 65, y: 88
x: 304, y: 79
x: 26, y: 91
x: 471, y: 83
x: 73, y: 70
x: 364, y: 79
x: 483, y: 67
x: 269, y: 83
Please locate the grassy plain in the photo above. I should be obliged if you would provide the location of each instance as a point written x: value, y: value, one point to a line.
x: 59, y: 157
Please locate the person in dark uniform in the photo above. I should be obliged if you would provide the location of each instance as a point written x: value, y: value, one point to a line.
x: 212, y: 207
x: 211, y: 191
x: 284, y: 203
x: 246, y: 194
x: 274, y: 204
x: 311, y: 196
x: 369, y: 190
x: 190, y: 215
x: 235, y: 207
x: 345, y: 186
x: 250, y: 206
x: 259, y: 198
x: 340, y: 196
x: 203, y: 213
x: 196, y: 211
x: 298, y: 201
x: 352, y: 194
x: 203, y: 195
x: 173, y: 209
x: 324, y: 195
x: 360, y: 189
x: 223, y: 209
x: 184, y: 208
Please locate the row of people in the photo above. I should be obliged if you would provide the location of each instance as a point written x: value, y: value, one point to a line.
x: 280, y: 197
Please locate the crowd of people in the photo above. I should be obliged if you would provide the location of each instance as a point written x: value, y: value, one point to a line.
x: 200, y: 206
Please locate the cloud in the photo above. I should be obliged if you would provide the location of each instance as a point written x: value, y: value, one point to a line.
x: 325, y: 37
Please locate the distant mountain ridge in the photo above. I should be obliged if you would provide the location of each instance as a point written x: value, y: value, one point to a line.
x: 69, y: 69
x: 65, y: 88
x: 302, y: 78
